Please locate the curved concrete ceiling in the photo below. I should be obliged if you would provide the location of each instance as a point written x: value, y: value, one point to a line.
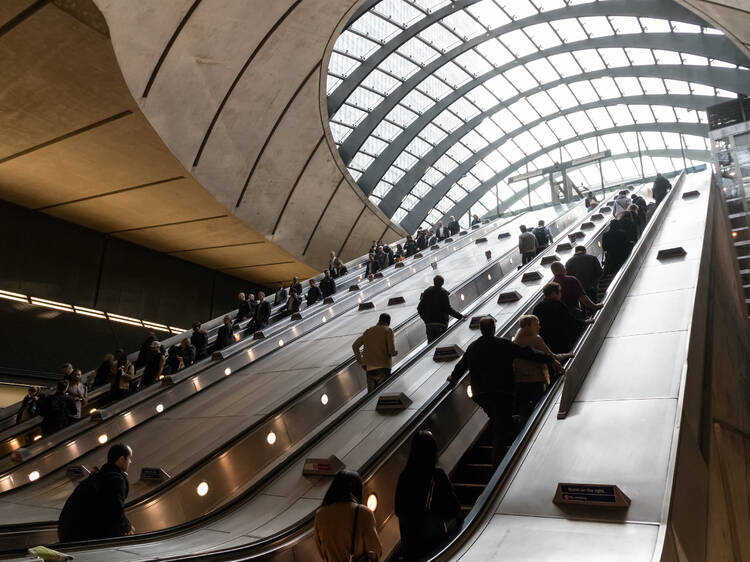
x: 234, y: 90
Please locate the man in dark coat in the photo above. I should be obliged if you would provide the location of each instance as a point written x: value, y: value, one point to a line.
x: 225, y: 335
x: 434, y: 309
x: 660, y: 188
x: 96, y: 508
x: 559, y: 329
x: 616, y: 247
x: 313, y: 293
x: 453, y: 226
x: 262, y: 313
x: 327, y: 284
x: 297, y: 286
x: 243, y: 308
x: 587, y: 269
x: 199, y: 339
x: 56, y: 409
x: 489, y: 360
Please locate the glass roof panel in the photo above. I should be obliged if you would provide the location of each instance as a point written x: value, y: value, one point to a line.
x: 495, y: 134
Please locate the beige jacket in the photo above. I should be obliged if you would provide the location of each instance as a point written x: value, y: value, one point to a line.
x: 530, y: 371
x: 379, y: 347
x: 333, y: 532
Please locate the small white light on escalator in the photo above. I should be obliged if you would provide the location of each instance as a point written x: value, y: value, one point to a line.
x: 324, y: 399
x: 202, y: 489
x: 734, y: 235
x: 92, y: 410
x: 599, y: 243
x: 323, y: 319
x: 227, y: 371
x: 281, y: 343
x: 489, y: 276
x: 159, y: 408
x: 271, y: 438
x: 33, y: 476
x: 37, y: 437
x: 462, y: 297
x: 102, y: 438
x: 372, y: 502
x: 469, y: 393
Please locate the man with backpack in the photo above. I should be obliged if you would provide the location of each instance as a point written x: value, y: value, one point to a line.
x: 96, y: 508
x: 434, y: 309
x: 543, y: 237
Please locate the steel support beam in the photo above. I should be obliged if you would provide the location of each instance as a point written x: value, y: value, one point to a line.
x: 393, y: 199
x: 417, y: 214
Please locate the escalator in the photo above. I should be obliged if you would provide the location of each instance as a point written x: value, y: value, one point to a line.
x: 332, y: 395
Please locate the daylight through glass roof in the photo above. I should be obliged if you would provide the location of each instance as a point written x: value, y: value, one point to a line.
x: 434, y: 104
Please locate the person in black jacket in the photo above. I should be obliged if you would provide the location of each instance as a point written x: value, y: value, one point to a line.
x: 371, y: 266
x: 426, y: 504
x: 560, y: 330
x: 56, y: 409
x: 96, y: 508
x: 489, y: 360
x: 453, y: 226
x: 435, y: 307
x: 29, y: 405
x: 243, y: 309
x: 616, y: 247
x: 660, y: 188
x: 421, y: 240
x: 410, y: 247
x: 262, y: 313
x: 327, y: 284
x: 143, y: 352
x: 104, y: 371
x: 293, y: 302
x: 587, y: 269
x: 297, y: 286
x: 280, y: 296
x: 225, y: 335
x: 199, y: 339
x: 154, y: 366
x: 313, y: 293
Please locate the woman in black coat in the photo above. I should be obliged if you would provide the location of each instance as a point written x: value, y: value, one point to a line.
x: 426, y: 504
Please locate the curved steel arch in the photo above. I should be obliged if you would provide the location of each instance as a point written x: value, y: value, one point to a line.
x: 649, y: 8
x: 712, y: 46
x: 690, y: 154
x: 687, y: 101
x: 725, y: 78
x: 418, y: 213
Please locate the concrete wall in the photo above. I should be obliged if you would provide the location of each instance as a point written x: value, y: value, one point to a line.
x: 710, y: 511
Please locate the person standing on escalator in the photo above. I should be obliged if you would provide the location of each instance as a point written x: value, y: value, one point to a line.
x: 543, y: 237
x: 527, y: 245
x: 434, y: 309
x: 489, y: 360
x: 379, y: 351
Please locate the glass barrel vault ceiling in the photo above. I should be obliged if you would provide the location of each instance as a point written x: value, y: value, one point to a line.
x: 433, y: 104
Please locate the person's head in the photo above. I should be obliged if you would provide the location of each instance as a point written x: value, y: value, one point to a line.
x: 120, y: 455
x: 155, y: 347
x: 523, y: 228
x: 408, y: 237
x: 261, y: 296
x: 379, y: 250
x: 312, y: 282
x: 440, y: 224
x: 240, y: 297
x: 227, y: 320
x: 399, y: 248
x: 250, y: 297
x: 62, y: 387
x: 292, y: 291
x: 557, y: 268
x: 423, y: 453
x: 475, y: 217
x: 345, y: 487
x: 370, y: 277
x: 541, y: 223
x: 32, y: 391
x: 580, y: 250
x: 196, y: 326
x: 658, y: 174
x: 626, y: 216
x: 76, y: 376
x: 633, y: 209
x: 552, y: 291
x: 385, y: 319
x: 185, y: 343
x: 438, y: 281
x: 371, y: 256
x: 529, y: 324
x: 452, y: 218
x: 326, y: 273
x: 487, y: 326
x: 295, y: 280
x: 108, y: 358
x: 120, y: 358
x: 630, y: 188
x: 333, y: 254
x: 66, y: 369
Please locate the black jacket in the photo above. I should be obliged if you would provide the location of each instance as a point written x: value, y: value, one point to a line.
x: 411, y: 502
x: 262, y: 315
x: 292, y: 303
x: 224, y: 337
x: 313, y: 295
x: 280, y: 297
x: 327, y: 286
x: 454, y: 227
x: 435, y: 306
x: 410, y: 248
x: 104, y: 371
x: 422, y: 242
x: 96, y: 508
x: 297, y: 287
x: 56, y: 411
x: 372, y: 267
x: 199, y: 340
x: 660, y: 188
x: 543, y: 237
x: 586, y: 268
x: 559, y: 329
x: 489, y: 360
x: 616, y: 247
x: 243, y: 311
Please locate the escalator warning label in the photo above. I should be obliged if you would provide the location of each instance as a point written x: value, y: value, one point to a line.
x: 600, y: 495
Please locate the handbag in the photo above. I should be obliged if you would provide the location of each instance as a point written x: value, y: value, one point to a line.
x: 434, y: 528
x: 365, y: 556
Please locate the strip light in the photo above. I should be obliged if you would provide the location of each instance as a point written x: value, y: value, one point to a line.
x: 91, y: 312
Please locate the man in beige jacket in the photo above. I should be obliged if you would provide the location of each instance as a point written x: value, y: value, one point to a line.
x: 379, y: 350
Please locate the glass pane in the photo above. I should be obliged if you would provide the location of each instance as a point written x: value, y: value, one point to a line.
x: 625, y: 24
x: 652, y: 25
x: 542, y: 70
x: 596, y: 26
x: 543, y: 36
x: 495, y: 52
x: 518, y: 43
x: 375, y: 26
x: 677, y: 87
x: 569, y: 29
x: 500, y: 87
x: 614, y: 57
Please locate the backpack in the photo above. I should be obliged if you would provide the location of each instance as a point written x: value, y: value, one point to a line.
x: 541, y: 236
x: 79, y: 508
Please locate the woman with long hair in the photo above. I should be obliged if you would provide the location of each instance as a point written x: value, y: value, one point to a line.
x: 426, y: 504
x: 344, y: 528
